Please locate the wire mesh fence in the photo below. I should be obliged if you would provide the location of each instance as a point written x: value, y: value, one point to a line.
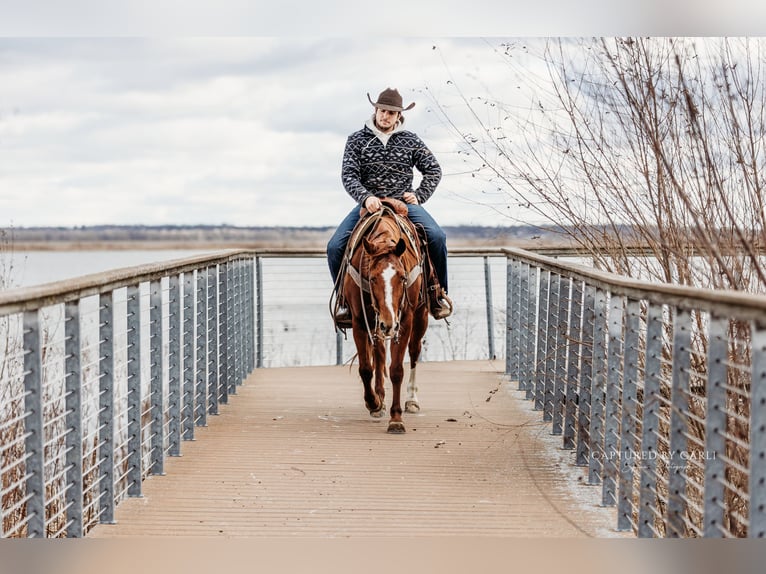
x: 659, y: 391
x: 97, y: 387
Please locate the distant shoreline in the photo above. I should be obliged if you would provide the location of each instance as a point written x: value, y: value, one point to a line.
x: 201, y: 238
x: 21, y: 246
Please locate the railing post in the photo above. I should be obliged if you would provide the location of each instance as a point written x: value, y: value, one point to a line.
x: 212, y: 341
x: 573, y: 364
x: 227, y: 318
x: 715, y: 423
x: 586, y: 377
x: 224, y: 323
x: 134, y: 458
x: 628, y: 423
x: 238, y: 334
x: 676, y: 509
x: 259, y: 312
x: 526, y: 332
x: 157, y: 399
x: 200, y: 402
x: 757, y: 479
x: 187, y: 410
x: 647, y: 504
x: 106, y: 409
x: 241, y: 328
x: 541, y: 360
x: 73, y: 402
x: 33, y: 427
x: 511, y: 321
x: 612, y: 406
x: 250, y: 319
x: 338, y: 348
x: 562, y: 344
x: 174, y: 367
x: 598, y: 390
x: 490, y: 311
x: 550, y: 337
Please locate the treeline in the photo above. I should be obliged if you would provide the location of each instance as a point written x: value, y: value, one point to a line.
x: 255, y: 234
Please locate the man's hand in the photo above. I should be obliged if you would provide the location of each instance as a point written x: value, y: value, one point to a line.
x: 372, y: 204
x: 410, y: 197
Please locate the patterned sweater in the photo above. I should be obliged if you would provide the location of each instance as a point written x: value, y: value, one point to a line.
x: 382, y: 164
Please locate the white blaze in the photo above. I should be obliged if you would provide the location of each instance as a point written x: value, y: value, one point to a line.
x: 388, y: 274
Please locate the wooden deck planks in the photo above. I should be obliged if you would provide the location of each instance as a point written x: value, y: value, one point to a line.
x: 295, y: 453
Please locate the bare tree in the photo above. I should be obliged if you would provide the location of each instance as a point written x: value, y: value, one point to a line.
x: 651, y: 142
x: 620, y: 142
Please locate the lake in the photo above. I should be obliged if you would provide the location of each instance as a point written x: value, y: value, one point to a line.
x: 297, y: 328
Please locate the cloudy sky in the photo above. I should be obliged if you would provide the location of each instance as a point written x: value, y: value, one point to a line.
x: 243, y: 131
x: 132, y: 126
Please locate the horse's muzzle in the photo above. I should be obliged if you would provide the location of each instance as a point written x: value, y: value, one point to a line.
x: 388, y: 331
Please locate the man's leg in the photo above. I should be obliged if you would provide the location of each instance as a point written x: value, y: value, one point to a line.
x: 437, y: 241
x: 336, y: 247
x: 440, y: 304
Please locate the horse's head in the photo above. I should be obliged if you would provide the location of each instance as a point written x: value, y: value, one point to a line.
x: 387, y: 277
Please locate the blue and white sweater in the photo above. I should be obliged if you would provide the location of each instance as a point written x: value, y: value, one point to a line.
x: 382, y: 165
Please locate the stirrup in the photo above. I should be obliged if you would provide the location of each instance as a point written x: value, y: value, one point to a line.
x: 442, y: 306
x: 342, y: 318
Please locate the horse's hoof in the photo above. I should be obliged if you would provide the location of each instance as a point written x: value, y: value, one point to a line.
x: 396, y: 427
x: 412, y: 407
x: 380, y: 412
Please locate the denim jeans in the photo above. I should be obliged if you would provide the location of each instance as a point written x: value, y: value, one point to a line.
x: 437, y: 241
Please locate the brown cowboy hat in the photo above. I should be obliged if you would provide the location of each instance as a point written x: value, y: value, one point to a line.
x: 390, y: 99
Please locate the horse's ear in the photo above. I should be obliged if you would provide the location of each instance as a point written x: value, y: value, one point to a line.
x: 401, y: 247
x: 368, y: 247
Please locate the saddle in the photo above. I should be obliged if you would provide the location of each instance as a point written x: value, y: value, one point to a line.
x: 416, y: 234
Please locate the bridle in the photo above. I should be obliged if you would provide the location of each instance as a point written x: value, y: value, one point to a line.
x: 375, y: 334
x: 365, y: 284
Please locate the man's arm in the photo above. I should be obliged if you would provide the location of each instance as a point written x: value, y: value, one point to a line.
x: 351, y: 172
x: 426, y: 164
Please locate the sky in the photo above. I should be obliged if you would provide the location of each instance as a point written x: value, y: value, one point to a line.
x: 144, y: 115
x: 240, y: 131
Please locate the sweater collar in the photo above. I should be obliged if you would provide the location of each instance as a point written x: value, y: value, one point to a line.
x: 384, y: 137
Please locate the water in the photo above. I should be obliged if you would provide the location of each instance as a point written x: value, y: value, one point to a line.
x: 297, y: 328
x: 26, y: 268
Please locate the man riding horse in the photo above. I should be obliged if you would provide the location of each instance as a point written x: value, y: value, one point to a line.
x: 378, y: 163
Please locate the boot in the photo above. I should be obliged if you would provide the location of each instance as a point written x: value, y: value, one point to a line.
x: 440, y: 304
x: 343, y: 317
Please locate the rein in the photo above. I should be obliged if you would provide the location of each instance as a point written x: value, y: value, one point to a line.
x: 364, y: 282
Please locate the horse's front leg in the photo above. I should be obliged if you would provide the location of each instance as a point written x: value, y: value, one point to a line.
x: 412, y: 404
x: 379, y: 364
x: 396, y: 371
x: 364, y: 353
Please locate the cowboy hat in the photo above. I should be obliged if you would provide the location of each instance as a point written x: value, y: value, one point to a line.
x: 390, y: 99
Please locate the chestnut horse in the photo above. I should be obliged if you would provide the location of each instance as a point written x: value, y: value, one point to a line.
x: 384, y: 288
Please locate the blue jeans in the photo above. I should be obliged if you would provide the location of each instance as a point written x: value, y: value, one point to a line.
x: 437, y: 241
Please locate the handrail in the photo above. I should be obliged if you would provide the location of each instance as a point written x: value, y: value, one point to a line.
x: 26, y: 298
x: 718, y: 300
x: 659, y: 389
x: 75, y: 415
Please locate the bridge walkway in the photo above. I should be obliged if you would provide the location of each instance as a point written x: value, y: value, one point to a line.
x: 295, y: 453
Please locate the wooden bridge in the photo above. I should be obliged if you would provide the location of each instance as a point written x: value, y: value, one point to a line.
x: 146, y: 401
x: 295, y: 453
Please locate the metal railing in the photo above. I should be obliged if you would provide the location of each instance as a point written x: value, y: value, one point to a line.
x: 659, y: 390
x: 294, y: 325
x: 104, y: 376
